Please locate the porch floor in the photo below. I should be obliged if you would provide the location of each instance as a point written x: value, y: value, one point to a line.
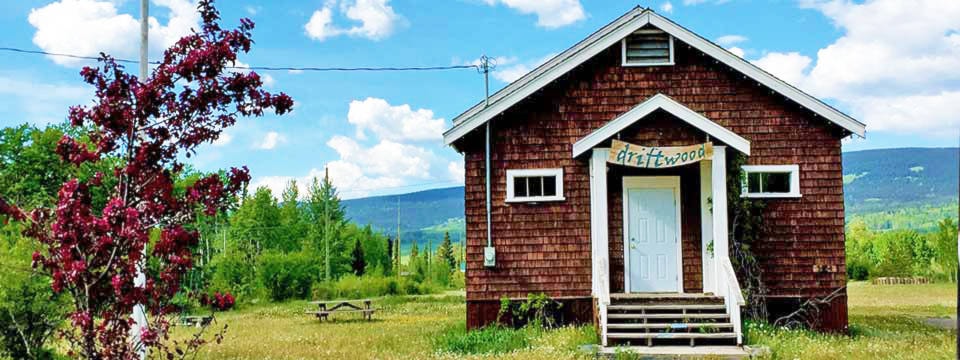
x: 657, y: 295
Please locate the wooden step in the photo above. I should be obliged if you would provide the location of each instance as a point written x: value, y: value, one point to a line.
x: 666, y: 307
x: 676, y: 326
x: 664, y: 296
x: 680, y: 335
x: 667, y: 316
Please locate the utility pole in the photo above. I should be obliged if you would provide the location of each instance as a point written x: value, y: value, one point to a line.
x: 326, y: 223
x: 489, y: 252
x: 398, y: 236
x: 139, y: 315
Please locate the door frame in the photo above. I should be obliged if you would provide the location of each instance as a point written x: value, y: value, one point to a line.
x: 650, y: 182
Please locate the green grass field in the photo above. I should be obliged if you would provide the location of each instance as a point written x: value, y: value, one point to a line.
x: 886, y: 323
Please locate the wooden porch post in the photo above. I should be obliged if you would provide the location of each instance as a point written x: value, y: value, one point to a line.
x: 706, y: 226
x: 599, y: 250
x: 721, y: 245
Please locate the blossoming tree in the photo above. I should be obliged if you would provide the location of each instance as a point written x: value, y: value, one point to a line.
x: 93, y: 252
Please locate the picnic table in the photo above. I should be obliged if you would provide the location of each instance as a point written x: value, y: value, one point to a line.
x: 325, y: 308
x: 198, y: 321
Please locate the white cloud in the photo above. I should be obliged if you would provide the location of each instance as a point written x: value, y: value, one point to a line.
x: 252, y: 10
x: 320, y: 26
x: 376, y: 17
x: 551, y: 14
x: 728, y: 40
x: 41, y: 103
x: 666, y: 7
x: 271, y: 140
x: 457, y: 171
x: 788, y: 67
x: 397, y: 123
x: 894, y: 67
x: 385, y: 158
x: 736, y: 51
x: 88, y: 27
x: 224, y: 140
x: 346, y: 177
x: 387, y: 161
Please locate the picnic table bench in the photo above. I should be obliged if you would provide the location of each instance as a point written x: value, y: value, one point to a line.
x: 198, y: 321
x: 325, y: 308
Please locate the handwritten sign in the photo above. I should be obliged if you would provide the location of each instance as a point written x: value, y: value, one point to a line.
x: 655, y: 157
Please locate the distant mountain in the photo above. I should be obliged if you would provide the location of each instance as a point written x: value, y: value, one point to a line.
x: 424, y: 215
x: 887, y: 179
x: 888, y: 188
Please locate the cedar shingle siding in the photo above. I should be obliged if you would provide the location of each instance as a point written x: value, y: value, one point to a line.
x: 546, y: 247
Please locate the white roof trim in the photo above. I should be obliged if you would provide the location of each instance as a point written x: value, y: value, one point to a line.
x: 610, y: 35
x: 660, y: 101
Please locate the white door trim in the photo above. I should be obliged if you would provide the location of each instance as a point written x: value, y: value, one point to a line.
x: 650, y: 182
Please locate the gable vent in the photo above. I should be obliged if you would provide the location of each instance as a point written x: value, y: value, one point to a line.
x: 648, y: 47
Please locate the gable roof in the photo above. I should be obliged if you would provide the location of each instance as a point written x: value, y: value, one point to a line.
x: 611, y: 34
x: 654, y: 103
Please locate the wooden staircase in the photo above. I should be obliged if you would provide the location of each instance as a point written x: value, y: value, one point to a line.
x: 668, y: 319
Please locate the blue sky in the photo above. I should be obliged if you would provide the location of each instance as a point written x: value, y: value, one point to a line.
x: 379, y: 132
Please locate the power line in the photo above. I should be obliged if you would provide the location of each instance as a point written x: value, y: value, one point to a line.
x: 262, y: 68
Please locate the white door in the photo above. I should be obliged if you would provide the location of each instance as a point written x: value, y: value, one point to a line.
x: 652, y: 239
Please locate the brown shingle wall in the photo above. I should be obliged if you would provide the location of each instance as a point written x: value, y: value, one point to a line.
x: 546, y: 247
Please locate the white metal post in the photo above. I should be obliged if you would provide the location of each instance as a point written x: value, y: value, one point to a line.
x: 139, y: 313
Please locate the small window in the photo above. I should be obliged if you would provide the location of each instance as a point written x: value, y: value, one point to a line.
x: 771, y: 181
x: 535, y: 185
x: 648, y: 47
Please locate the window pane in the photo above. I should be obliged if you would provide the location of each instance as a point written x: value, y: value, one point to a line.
x: 753, y: 182
x: 776, y: 183
x: 549, y: 186
x: 536, y: 186
x: 519, y: 186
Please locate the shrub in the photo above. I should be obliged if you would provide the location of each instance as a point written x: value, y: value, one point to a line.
x: 538, y: 310
x: 233, y: 274
x: 218, y: 301
x: 857, y: 270
x: 354, y: 287
x: 29, y: 314
x: 489, y: 340
x: 287, y: 276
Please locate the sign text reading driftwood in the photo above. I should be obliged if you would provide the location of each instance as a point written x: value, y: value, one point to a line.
x: 656, y: 157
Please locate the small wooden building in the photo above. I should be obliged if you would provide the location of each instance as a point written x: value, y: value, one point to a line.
x: 607, y: 169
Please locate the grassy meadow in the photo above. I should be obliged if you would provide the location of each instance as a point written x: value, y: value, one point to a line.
x: 886, y: 323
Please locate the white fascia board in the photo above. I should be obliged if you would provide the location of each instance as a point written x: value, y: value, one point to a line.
x: 548, y: 72
x: 660, y: 101
x: 611, y: 34
x: 755, y: 73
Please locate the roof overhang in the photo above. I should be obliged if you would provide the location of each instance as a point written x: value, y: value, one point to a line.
x: 654, y: 103
x: 610, y: 35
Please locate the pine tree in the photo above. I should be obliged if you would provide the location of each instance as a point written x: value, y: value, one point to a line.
x: 358, y: 265
x: 292, y: 228
x: 326, y: 221
x: 445, y: 251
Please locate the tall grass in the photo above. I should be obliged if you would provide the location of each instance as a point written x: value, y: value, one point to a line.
x: 489, y: 340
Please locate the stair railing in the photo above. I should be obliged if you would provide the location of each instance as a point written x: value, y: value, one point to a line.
x: 729, y: 288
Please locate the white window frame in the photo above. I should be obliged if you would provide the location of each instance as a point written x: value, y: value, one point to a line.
x: 623, y: 54
x: 511, y: 174
x: 793, y: 170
